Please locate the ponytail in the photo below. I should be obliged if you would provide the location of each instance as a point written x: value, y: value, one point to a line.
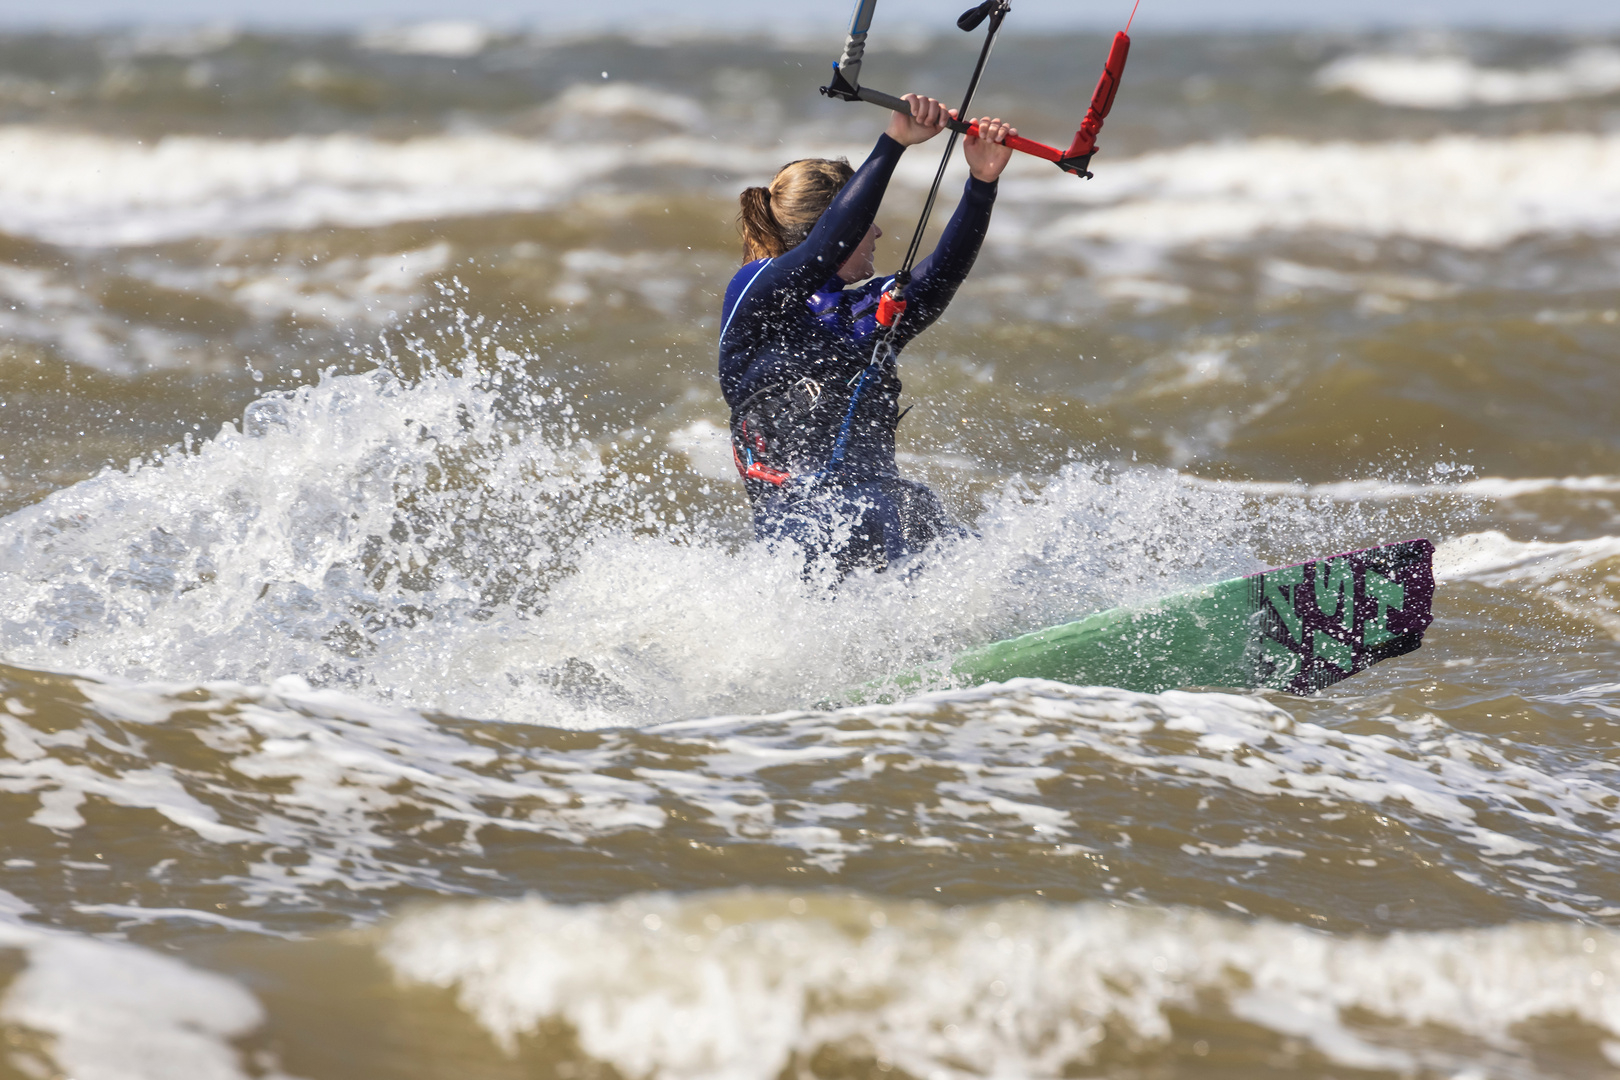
x: 777, y: 218
x: 761, y: 235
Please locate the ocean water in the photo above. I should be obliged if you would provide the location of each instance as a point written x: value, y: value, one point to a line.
x: 389, y: 686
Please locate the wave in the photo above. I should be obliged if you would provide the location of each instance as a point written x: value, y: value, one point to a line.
x: 1492, y: 558
x: 92, y: 1008
x: 751, y: 984
x: 369, y: 794
x: 51, y: 308
x: 1455, y: 82
x: 743, y: 985
x: 445, y: 37
x: 92, y: 190
x: 1482, y: 487
x: 1580, y: 578
x: 1464, y: 190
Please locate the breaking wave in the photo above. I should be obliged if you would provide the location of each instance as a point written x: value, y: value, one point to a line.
x: 1455, y: 82
x: 95, y: 190
x: 744, y: 985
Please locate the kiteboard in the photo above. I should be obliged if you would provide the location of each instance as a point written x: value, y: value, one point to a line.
x: 1298, y: 629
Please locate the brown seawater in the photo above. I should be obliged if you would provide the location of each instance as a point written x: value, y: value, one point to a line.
x: 389, y: 686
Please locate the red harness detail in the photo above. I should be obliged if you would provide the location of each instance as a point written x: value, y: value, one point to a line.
x: 757, y: 471
x: 753, y: 470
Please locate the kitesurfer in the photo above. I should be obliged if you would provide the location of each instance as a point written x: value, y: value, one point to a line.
x: 798, y: 328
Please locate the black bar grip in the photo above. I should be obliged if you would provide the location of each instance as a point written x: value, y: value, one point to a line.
x: 888, y: 101
x: 900, y: 105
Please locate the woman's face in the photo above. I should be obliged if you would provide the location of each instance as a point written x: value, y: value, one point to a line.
x: 858, y: 267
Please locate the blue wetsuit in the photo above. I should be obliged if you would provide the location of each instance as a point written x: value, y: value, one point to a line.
x: 794, y: 341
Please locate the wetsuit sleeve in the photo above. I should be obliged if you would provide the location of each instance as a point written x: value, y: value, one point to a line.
x: 935, y: 280
x: 792, y: 277
x: 841, y: 226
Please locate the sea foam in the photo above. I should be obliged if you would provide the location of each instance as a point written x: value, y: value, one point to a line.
x: 740, y: 985
x: 95, y: 190
x: 1456, y: 82
x: 105, y: 1010
x: 1463, y: 190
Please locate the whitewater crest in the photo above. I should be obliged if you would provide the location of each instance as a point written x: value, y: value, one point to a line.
x: 90, y: 1008
x: 1456, y: 82
x: 83, y: 189
x: 742, y: 985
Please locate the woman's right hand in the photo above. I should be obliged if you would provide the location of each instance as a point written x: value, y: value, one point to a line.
x: 927, y: 119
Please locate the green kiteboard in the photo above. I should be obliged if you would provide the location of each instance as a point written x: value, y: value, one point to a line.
x: 1299, y: 628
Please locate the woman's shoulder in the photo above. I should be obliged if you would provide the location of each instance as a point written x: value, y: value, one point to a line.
x: 744, y: 276
x: 749, y: 269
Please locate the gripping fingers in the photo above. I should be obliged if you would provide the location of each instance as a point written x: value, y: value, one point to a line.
x: 927, y: 111
x: 994, y: 129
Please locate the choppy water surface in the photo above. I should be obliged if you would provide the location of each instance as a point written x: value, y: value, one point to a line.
x: 388, y: 687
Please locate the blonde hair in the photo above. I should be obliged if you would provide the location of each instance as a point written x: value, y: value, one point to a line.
x: 779, y: 217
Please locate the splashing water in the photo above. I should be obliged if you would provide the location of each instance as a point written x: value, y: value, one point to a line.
x: 451, y: 540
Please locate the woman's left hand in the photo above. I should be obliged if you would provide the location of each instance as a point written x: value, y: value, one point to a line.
x: 986, y: 152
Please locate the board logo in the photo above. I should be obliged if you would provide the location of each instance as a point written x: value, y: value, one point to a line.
x: 1321, y: 621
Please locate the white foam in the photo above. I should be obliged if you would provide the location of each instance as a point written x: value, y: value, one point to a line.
x: 707, y: 446
x: 332, y: 776
x: 351, y: 291
x: 86, y: 189
x: 134, y: 915
x: 1257, y: 748
x: 182, y: 41
x: 443, y: 37
x: 1286, y: 277
x: 1577, y: 577
x: 33, y: 766
x: 662, y: 280
x: 1480, y: 488
x: 12, y: 906
x: 1464, y: 190
x: 48, y: 310
x: 1456, y: 82
x: 80, y: 188
x: 257, y: 556
x: 112, y: 1011
x: 735, y: 986
x: 322, y: 773
x: 628, y: 99
x: 1492, y: 558
x: 281, y: 554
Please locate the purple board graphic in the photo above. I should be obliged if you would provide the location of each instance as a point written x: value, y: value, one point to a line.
x: 1325, y: 620
x: 1297, y: 629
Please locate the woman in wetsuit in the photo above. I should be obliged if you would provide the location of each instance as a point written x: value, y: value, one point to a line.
x: 797, y: 330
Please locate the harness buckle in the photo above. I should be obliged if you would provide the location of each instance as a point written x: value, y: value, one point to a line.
x: 806, y: 393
